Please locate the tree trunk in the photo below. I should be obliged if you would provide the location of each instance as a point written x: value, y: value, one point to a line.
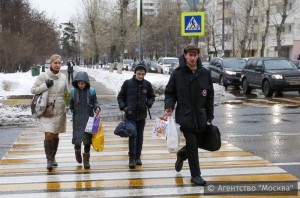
x: 280, y: 29
x: 264, y: 36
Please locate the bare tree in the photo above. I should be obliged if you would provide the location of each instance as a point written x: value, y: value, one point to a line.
x: 26, y: 36
x: 243, y: 8
x: 279, y: 23
x: 266, y: 6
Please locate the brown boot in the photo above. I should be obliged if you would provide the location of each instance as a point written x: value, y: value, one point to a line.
x: 78, y: 156
x: 48, y: 151
x: 55, y: 142
x: 86, y: 160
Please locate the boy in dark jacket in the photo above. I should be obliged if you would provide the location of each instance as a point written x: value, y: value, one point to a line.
x: 135, y: 97
x: 190, y: 86
x: 83, y: 104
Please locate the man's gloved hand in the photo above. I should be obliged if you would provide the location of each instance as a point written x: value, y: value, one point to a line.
x: 49, y: 83
x: 148, y: 104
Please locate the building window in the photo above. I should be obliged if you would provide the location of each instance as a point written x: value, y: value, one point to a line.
x: 288, y: 28
x: 255, y: 2
x: 227, y: 21
x: 228, y: 5
x: 254, y: 37
x: 227, y: 37
x: 290, y: 6
x: 262, y: 19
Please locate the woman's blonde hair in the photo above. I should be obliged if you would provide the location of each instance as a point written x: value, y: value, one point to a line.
x: 54, y: 57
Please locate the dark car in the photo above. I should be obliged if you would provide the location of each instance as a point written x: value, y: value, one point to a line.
x: 226, y: 71
x: 297, y: 63
x: 271, y: 75
x: 153, y: 67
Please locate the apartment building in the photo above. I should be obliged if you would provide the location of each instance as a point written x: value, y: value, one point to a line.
x: 245, y: 24
x: 150, y: 7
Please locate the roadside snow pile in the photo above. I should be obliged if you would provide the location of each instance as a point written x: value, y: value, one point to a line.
x: 15, y: 84
x: 16, y: 116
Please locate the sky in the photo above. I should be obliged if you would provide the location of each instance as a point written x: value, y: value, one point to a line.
x: 60, y: 10
x: 21, y: 83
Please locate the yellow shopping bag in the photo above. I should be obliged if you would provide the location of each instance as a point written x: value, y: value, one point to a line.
x: 98, y: 139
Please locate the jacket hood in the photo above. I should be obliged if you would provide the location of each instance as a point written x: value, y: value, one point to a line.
x: 81, y: 76
x: 182, y: 62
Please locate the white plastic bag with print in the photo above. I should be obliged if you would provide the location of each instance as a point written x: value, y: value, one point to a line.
x: 159, y: 129
x: 172, y: 136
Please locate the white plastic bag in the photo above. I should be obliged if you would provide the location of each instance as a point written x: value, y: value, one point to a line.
x: 172, y: 136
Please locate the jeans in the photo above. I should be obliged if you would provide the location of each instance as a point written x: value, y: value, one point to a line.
x: 70, y: 75
x: 136, y: 140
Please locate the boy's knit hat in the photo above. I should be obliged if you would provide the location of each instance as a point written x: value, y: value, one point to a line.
x: 140, y: 66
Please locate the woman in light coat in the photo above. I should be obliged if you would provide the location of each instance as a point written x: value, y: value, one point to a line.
x: 55, y: 83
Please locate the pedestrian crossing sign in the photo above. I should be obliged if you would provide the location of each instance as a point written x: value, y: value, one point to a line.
x: 192, y: 24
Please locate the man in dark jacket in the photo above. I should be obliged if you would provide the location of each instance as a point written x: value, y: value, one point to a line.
x: 190, y: 86
x: 135, y: 97
x: 70, y: 65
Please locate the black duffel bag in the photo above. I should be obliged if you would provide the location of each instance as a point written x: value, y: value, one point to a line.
x: 210, y: 139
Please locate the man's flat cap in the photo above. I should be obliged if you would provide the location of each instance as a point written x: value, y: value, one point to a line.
x: 191, y: 48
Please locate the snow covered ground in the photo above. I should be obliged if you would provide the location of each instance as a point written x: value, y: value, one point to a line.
x: 21, y: 83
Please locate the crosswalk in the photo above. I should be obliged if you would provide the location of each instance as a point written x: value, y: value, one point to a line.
x: 266, y: 102
x: 23, y: 170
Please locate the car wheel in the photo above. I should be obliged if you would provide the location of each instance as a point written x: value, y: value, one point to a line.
x: 245, y: 86
x: 267, y: 90
x: 221, y: 82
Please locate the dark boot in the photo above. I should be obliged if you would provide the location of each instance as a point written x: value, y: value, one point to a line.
x: 54, y: 149
x: 138, y: 161
x: 198, y: 180
x: 178, y: 164
x: 132, y: 162
x: 48, y: 152
x: 86, y: 160
x: 181, y: 157
x: 78, y: 156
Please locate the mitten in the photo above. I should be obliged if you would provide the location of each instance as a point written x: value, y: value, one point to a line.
x: 49, y: 83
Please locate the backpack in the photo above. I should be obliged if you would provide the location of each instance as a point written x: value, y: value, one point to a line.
x: 38, y: 104
x: 92, y: 91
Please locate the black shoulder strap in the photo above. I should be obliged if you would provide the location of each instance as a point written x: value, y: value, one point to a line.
x: 145, y: 84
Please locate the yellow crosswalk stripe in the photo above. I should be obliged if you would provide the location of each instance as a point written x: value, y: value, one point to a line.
x: 23, y: 169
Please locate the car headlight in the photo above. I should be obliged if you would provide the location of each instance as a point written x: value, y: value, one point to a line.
x: 277, y: 76
x: 231, y: 73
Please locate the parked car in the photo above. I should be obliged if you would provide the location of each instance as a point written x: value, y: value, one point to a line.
x: 297, y: 63
x: 153, y: 67
x: 165, y: 63
x: 173, y: 67
x: 226, y: 71
x: 127, y: 64
x: 271, y: 75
